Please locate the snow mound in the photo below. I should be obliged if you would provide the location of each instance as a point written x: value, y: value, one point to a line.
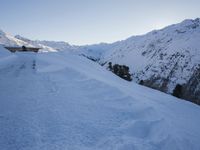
x: 55, y: 101
x: 6, y: 57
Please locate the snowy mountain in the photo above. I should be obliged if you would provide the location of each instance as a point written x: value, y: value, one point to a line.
x: 160, y: 59
x: 57, y: 101
x: 9, y: 40
x: 50, y: 44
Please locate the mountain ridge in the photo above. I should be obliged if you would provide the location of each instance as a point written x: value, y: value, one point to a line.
x: 162, y: 58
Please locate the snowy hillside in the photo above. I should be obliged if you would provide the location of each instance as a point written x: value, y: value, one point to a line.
x: 53, y: 45
x: 9, y: 40
x: 161, y: 58
x: 57, y: 101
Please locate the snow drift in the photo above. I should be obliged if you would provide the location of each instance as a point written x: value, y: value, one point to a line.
x: 66, y: 101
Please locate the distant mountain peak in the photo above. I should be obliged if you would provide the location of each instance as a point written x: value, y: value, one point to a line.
x: 22, y: 38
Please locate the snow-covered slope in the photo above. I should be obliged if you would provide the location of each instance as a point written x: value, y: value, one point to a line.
x: 9, y: 40
x: 58, y: 101
x: 50, y: 45
x: 94, y: 52
x: 161, y: 58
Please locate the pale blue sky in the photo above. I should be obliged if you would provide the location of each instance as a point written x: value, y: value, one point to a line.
x: 91, y: 21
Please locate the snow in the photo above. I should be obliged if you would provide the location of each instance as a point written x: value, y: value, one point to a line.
x: 47, y: 46
x: 9, y: 40
x: 171, y: 53
x: 5, y: 57
x: 66, y: 101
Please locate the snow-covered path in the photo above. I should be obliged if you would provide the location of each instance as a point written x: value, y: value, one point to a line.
x: 67, y: 103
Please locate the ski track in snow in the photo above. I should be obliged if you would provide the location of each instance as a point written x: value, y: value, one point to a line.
x: 68, y: 109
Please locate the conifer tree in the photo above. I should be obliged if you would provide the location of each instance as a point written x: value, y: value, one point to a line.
x: 177, y: 91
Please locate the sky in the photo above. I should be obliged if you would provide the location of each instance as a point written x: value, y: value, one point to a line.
x: 81, y: 22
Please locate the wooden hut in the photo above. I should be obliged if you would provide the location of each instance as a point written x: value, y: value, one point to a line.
x: 22, y: 49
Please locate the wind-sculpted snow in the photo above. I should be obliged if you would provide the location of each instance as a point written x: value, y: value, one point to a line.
x: 61, y: 101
